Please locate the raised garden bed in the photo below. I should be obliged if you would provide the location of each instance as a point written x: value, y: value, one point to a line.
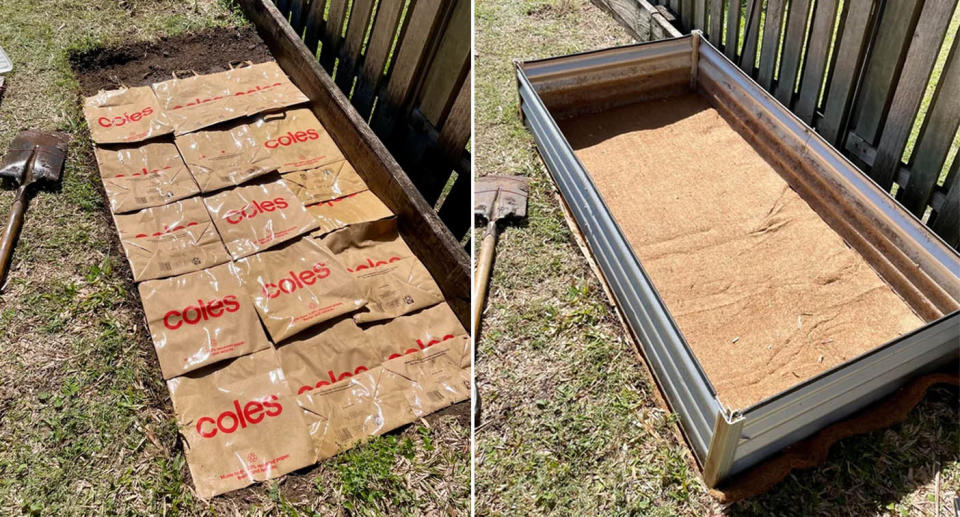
x: 780, y: 289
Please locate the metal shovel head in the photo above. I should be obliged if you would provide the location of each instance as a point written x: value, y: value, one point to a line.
x: 50, y: 148
x: 498, y: 197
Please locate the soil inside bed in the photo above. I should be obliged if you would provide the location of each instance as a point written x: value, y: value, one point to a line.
x: 765, y: 292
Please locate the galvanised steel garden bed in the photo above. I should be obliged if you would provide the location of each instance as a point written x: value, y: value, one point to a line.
x: 773, y: 288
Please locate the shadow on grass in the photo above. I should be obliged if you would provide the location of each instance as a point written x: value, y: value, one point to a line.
x: 873, y: 472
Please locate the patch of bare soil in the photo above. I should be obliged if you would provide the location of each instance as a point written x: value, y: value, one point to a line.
x: 148, y: 62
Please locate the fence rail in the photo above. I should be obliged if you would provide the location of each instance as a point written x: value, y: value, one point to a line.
x: 405, y: 65
x: 857, y: 71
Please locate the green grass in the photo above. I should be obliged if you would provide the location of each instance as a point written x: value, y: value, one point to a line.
x: 570, y: 423
x: 86, y: 424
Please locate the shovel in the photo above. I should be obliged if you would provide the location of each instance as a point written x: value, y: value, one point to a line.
x: 495, y: 198
x: 33, y: 158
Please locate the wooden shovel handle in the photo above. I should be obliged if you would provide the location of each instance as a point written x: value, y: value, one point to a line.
x: 11, y: 231
x: 484, y: 261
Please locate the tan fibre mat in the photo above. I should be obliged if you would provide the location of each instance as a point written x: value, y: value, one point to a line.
x: 766, y: 294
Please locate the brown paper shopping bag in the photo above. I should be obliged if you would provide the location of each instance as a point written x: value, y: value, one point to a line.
x: 327, y: 353
x: 361, y: 207
x: 197, y: 101
x: 143, y: 175
x: 417, y: 331
x: 170, y: 240
x: 239, y: 423
x: 325, y: 183
x: 125, y: 115
x: 224, y: 156
x: 258, y: 215
x: 297, y: 286
x: 200, y: 318
x: 392, y: 279
x: 393, y: 394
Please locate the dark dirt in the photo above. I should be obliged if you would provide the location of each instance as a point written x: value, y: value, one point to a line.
x: 148, y: 62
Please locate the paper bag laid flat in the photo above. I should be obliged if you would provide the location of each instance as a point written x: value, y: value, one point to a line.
x: 392, y: 279
x: 297, y: 286
x: 325, y: 183
x: 257, y: 216
x: 325, y: 354
x: 295, y: 140
x: 198, y: 101
x: 393, y: 394
x: 200, y: 318
x: 125, y: 115
x: 143, y: 175
x: 170, y: 240
x: 356, y: 208
x: 414, y: 332
x: 225, y: 156
x: 240, y: 423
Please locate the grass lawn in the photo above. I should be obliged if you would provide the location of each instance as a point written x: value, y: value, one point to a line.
x: 569, y: 423
x: 86, y: 424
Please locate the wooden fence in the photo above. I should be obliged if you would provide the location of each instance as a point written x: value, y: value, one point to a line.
x: 405, y: 65
x: 854, y: 70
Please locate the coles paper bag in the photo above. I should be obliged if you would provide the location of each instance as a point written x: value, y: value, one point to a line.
x: 325, y: 354
x: 295, y: 140
x: 324, y: 183
x: 297, y: 286
x: 224, y: 156
x: 257, y: 216
x: 393, y: 394
x: 231, y: 154
x: 198, y: 101
x: 200, y: 318
x: 143, y: 175
x: 356, y: 208
x: 391, y: 278
x: 125, y: 115
x: 417, y: 331
x: 170, y: 240
x: 239, y: 423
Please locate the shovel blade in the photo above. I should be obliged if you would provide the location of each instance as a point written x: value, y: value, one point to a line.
x: 510, y: 202
x: 50, y: 148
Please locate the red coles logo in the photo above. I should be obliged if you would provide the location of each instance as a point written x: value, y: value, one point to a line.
x: 120, y: 120
x: 370, y: 264
x: 251, y: 413
x: 294, y: 281
x: 143, y: 171
x: 202, y: 311
x: 253, y: 209
x: 333, y: 378
x: 167, y: 229
x: 421, y: 346
x: 292, y: 138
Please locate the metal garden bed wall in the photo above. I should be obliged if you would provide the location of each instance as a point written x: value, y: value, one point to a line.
x: 854, y: 70
x: 405, y: 65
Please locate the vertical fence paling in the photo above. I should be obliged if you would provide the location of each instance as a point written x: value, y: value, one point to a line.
x: 405, y: 65
x: 858, y: 75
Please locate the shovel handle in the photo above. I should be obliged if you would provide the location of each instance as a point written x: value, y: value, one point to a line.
x: 484, y: 261
x: 11, y: 230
